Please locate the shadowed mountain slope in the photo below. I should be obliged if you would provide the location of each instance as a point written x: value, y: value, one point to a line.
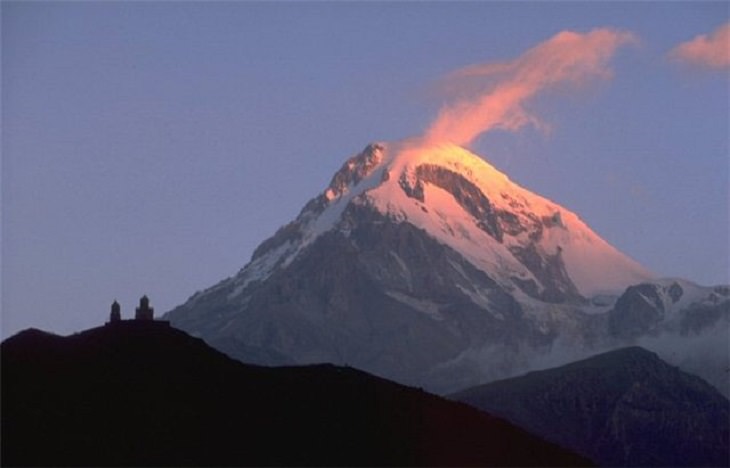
x: 622, y: 408
x: 146, y: 394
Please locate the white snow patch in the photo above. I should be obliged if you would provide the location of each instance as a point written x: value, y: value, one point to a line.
x: 259, y: 269
x: 480, y: 299
x: 429, y: 308
x: 406, y: 273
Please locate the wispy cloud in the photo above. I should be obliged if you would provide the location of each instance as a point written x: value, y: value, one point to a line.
x: 493, y: 94
x: 706, y: 50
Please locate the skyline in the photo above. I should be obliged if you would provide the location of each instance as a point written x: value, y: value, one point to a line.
x: 148, y: 148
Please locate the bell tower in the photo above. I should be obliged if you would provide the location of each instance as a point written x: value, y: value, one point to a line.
x: 144, y: 311
x: 116, y: 313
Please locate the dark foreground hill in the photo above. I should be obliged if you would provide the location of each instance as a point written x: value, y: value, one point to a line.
x: 147, y: 394
x: 622, y: 408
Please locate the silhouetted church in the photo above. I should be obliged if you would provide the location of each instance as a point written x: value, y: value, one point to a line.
x: 143, y: 313
x: 116, y: 314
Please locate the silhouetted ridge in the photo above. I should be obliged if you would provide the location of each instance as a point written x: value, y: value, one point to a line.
x: 141, y: 393
x: 622, y: 408
x: 31, y: 334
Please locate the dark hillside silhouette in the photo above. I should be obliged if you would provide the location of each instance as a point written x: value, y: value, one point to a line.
x: 142, y: 393
x: 621, y: 408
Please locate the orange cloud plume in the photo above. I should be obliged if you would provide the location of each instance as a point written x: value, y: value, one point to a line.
x: 496, y: 92
x: 707, y: 50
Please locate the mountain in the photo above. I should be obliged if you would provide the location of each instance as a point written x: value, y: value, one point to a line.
x: 686, y: 324
x: 428, y: 266
x: 145, y: 394
x: 622, y: 408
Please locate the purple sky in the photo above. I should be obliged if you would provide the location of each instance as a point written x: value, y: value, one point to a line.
x: 148, y: 147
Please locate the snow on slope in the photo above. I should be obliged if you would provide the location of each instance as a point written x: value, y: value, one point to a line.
x: 491, y: 222
x: 544, y: 260
x: 593, y: 265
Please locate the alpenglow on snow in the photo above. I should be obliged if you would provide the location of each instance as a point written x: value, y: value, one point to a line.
x: 426, y: 265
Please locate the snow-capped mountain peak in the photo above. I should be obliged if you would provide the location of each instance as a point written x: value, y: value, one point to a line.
x: 426, y: 264
x: 515, y: 236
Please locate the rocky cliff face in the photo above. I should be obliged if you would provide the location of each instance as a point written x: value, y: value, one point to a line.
x: 622, y: 408
x: 430, y: 267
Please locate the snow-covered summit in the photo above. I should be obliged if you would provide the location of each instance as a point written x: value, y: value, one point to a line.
x: 517, y: 237
x: 427, y: 265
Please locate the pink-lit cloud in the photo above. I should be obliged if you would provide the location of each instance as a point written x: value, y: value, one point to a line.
x: 706, y: 50
x: 493, y: 94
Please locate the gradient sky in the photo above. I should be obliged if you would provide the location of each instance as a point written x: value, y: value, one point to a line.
x: 149, y: 147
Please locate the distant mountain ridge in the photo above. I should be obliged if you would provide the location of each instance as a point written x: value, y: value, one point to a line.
x: 428, y: 266
x: 622, y: 408
x: 145, y: 394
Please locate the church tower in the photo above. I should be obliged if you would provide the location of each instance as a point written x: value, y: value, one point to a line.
x: 144, y: 311
x: 116, y: 313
